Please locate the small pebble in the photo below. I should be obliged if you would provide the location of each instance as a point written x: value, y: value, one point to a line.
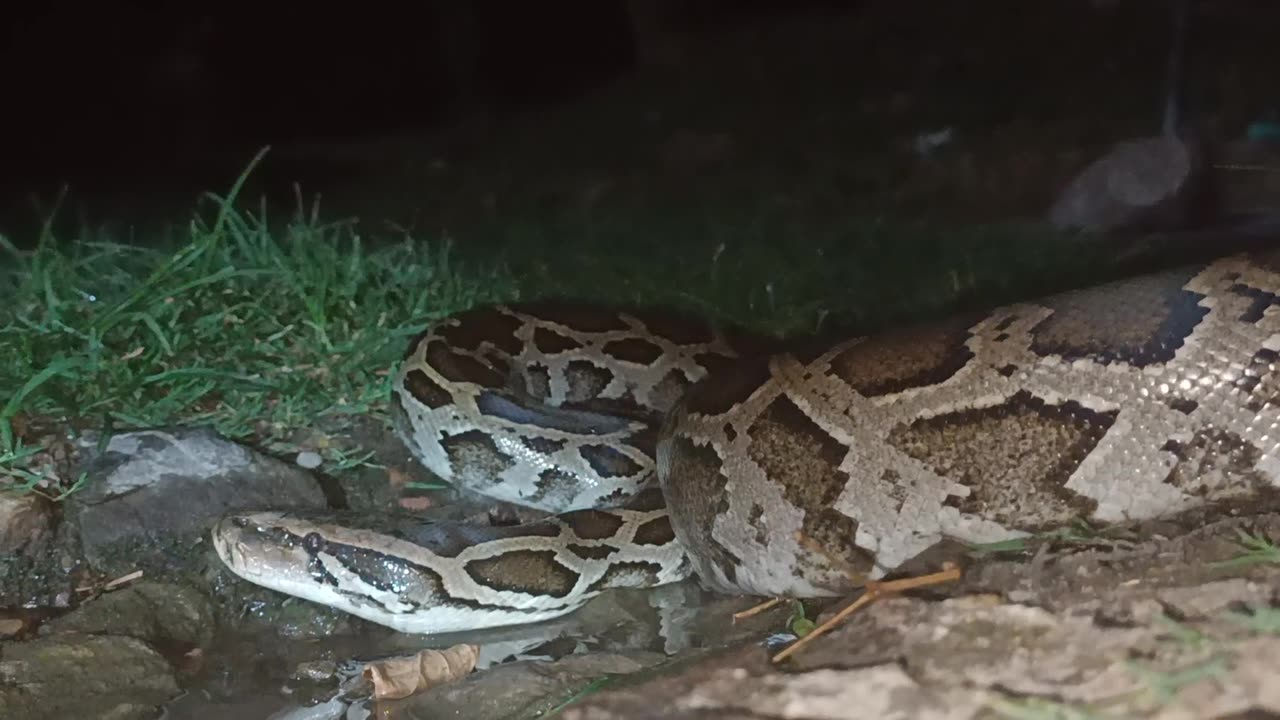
x: 315, y: 670
x: 777, y: 641
x: 309, y: 460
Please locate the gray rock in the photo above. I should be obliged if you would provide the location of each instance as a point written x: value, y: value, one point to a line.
x: 83, y: 676
x: 152, y: 485
x: 160, y: 613
x: 1091, y: 629
x: 1145, y: 184
x: 521, y: 689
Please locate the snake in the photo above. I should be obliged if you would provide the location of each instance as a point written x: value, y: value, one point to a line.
x: 654, y: 446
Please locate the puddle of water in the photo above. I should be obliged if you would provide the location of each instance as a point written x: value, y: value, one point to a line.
x: 265, y: 675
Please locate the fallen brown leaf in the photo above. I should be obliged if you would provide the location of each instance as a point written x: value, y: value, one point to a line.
x: 397, y: 478
x: 401, y: 677
x: 416, y: 503
x: 11, y: 626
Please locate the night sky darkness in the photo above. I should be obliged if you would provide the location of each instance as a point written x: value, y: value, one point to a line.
x: 116, y: 86
x: 113, y: 95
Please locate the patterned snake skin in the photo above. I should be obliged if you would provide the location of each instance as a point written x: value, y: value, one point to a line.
x: 780, y: 468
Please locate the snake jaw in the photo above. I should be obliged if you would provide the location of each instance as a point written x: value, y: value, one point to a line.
x: 365, y: 572
x: 250, y: 545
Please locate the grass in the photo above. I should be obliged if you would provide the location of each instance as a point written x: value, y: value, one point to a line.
x: 1255, y: 550
x: 258, y: 326
x: 251, y: 332
x: 587, y: 690
x: 1078, y: 533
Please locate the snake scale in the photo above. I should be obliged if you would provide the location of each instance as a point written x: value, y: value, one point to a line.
x: 669, y: 448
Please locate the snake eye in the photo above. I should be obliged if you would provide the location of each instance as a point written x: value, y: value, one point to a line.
x: 313, y: 542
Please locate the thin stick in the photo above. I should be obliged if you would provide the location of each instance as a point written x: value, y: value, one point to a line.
x: 874, y: 591
x: 756, y: 609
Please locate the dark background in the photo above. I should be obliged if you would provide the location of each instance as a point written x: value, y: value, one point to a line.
x: 117, y: 86
x: 137, y: 105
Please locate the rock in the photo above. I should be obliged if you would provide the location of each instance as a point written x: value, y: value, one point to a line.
x: 961, y: 659
x: 26, y: 520
x: 521, y: 689
x: 83, y: 676
x: 1148, y: 628
x: 160, y: 613
x: 150, y: 486
x: 308, y: 460
x: 1146, y: 184
x: 329, y: 710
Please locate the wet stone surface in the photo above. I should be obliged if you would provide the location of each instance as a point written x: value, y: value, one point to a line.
x: 151, y: 492
x: 1143, y: 625
x: 1153, y: 630
x: 74, y: 675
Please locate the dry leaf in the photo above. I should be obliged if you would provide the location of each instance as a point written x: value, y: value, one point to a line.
x: 401, y: 677
x: 20, y: 425
x: 397, y: 478
x: 417, y: 503
x: 192, y: 661
x: 10, y: 627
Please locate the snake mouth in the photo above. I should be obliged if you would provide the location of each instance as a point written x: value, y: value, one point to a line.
x: 254, y: 546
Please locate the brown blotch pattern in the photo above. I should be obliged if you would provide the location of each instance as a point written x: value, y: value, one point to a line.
x: 1269, y: 259
x: 608, y: 461
x: 648, y: 500
x: 1260, y: 380
x: 451, y: 539
x: 425, y: 390
x: 1215, y: 460
x: 529, y: 571
x: 645, y: 439
x: 537, y: 381
x: 633, y: 350
x: 475, y: 456
x: 1015, y: 458
x: 550, y: 342
x: 592, y: 524
x: 754, y: 518
x: 578, y: 317
x: 909, y: 358
x: 476, y: 328
x: 459, y: 368
x: 1260, y: 300
x: 718, y: 364
x: 678, y: 328
x: 667, y: 392
x: 586, y: 380
x: 1142, y: 321
x: 727, y: 388
x: 833, y: 529
x: 592, y: 552
x: 410, y: 581
x: 628, y: 574
x: 695, y: 495
x: 544, y: 445
x: 803, y: 460
x: 655, y: 532
x: 554, y: 485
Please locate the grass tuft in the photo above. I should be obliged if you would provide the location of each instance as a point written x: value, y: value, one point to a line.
x: 251, y: 330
